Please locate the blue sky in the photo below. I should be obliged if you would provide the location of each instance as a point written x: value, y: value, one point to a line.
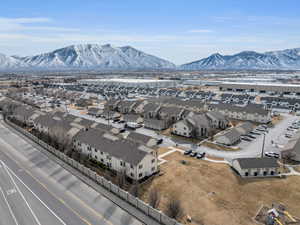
x: 180, y: 31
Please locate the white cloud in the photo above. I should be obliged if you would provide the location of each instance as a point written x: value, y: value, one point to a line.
x: 200, y: 31
x: 29, y: 24
x: 24, y: 20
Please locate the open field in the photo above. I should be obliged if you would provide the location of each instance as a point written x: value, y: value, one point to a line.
x: 212, y: 194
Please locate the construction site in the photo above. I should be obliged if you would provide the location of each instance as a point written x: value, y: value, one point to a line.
x: 276, y: 214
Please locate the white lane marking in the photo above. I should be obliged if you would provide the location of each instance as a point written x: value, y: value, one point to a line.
x: 9, y: 208
x: 60, y: 220
x: 19, y: 191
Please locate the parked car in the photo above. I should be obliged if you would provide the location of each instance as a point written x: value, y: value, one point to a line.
x: 122, y: 130
x: 159, y: 141
x: 261, y: 129
x: 250, y: 136
x: 193, y: 154
x: 272, y: 155
x: 187, y: 152
x: 255, y: 133
x: 288, y: 135
x: 200, y: 155
x: 246, y: 139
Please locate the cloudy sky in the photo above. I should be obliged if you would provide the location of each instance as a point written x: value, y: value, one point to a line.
x: 178, y: 30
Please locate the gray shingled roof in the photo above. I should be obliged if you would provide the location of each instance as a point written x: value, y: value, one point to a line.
x: 122, y: 149
x: 253, y: 163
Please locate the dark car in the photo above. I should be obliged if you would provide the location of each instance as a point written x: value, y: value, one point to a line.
x: 255, y: 133
x: 193, y: 154
x: 246, y: 139
x: 159, y: 141
x: 187, y: 152
x: 200, y: 155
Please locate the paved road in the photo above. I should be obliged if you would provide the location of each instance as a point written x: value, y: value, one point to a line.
x: 39, y: 191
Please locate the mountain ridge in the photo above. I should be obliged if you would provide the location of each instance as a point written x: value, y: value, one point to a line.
x: 108, y: 57
x: 281, y: 59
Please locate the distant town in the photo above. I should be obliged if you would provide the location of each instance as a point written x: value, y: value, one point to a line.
x: 159, y: 147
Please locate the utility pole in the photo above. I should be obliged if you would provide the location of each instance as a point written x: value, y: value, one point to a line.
x: 263, y: 146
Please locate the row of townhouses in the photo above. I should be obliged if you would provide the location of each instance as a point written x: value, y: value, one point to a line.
x: 135, y: 155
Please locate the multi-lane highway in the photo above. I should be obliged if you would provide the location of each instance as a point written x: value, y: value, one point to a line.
x: 36, y: 190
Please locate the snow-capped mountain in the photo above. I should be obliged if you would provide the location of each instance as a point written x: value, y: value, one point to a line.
x: 285, y: 59
x: 93, y: 56
x: 9, y: 62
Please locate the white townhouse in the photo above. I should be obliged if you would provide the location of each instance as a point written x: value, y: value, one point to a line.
x: 137, y: 161
x: 256, y: 167
x: 250, y: 112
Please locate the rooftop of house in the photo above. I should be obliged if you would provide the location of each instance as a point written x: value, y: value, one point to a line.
x: 253, y: 163
x: 128, y: 151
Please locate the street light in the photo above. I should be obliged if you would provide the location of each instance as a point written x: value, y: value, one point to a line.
x: 263, y: 145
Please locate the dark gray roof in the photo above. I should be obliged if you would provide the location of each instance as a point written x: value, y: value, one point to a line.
x: 120, y: 148
x: 232, y: 135
x: 140, y: 138
x: 253, y: 163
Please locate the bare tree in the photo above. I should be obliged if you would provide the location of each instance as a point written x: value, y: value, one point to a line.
x: 135, y: 189
x: 174, y: 208
x: 8, y: 110
x: 121, y: 179
x: 154, y: 198
x: 60, y: 139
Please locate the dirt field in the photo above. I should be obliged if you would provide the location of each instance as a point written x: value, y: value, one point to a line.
x: 163, y: 150
x: 212, y: 194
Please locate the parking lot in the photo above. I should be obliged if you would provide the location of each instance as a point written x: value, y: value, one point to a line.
x: 274, y: 140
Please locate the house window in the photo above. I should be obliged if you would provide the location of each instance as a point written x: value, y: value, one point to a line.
x: 96, y: 157
x: 101, y: 153
x: 153, y: 160
x: 140, y: 166
x: 153, y: 168
x: 96, y: 150
x: 102, y: 160
x: 131, y: 174
x: 141, y: 174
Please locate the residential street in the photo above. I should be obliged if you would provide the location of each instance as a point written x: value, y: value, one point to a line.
x: 36, y: 190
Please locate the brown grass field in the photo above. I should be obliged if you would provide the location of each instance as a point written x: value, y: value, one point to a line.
x: 213, y: 194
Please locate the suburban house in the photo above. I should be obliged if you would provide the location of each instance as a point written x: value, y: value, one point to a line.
x: 155, y: 124
x: 228, y: 137
x: 126, y: 106
x: 96, y: 112
x: 133, y: 118
x: 256, y: 167
x: 245, y: 128
x: 135, y: 160
x: 250, y: 112
x: 194, y: 125
x: 142, y: 139
x: 110, y: 115
x: 151, y: 110
x: 170, y: 114
x: 217, y: 120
